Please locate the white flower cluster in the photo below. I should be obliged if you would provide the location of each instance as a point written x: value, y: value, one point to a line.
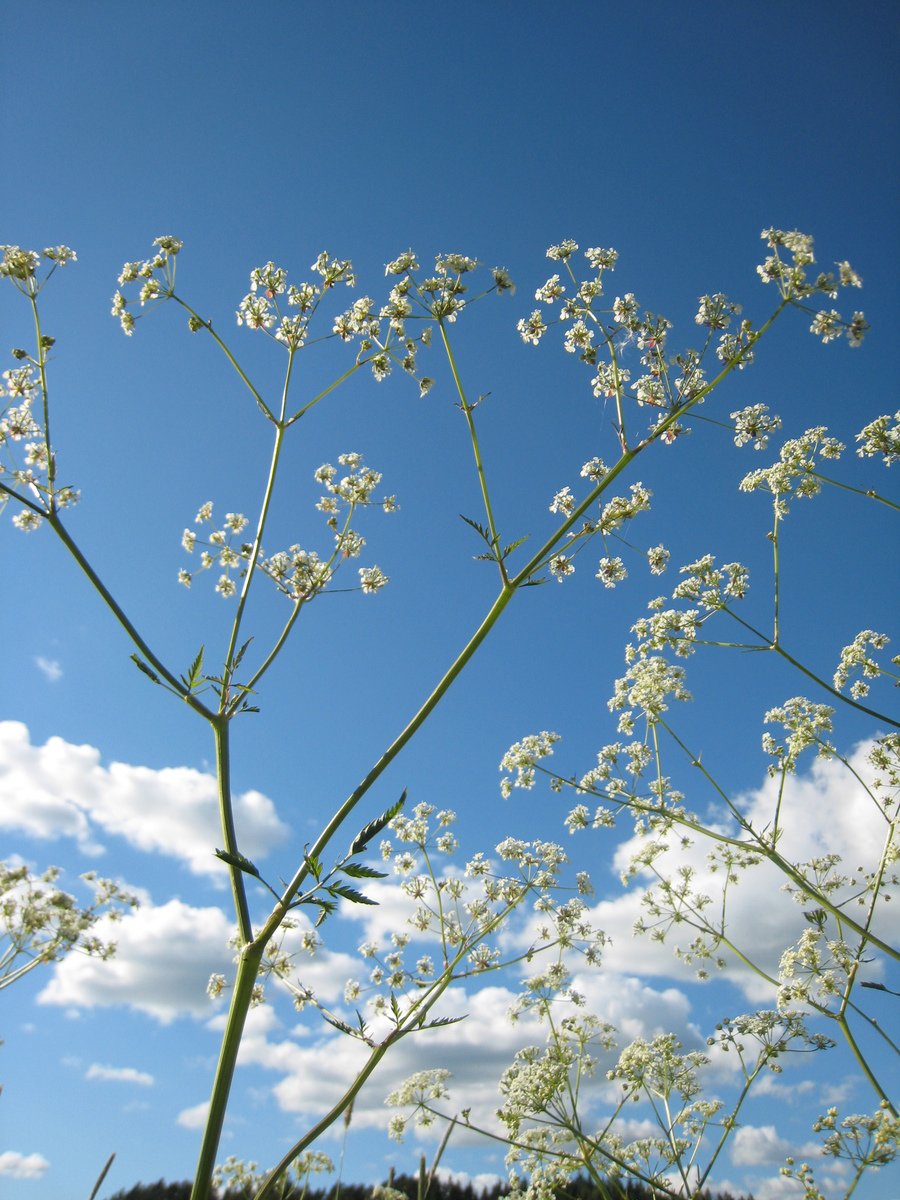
x: 28, y: 465
x: 881, y: 437
x: 795, y: 475
x: 156, y: 275
x: 793, y: 284
x: 855, y: 657
x: 804, y: 723
x: 219, y: 550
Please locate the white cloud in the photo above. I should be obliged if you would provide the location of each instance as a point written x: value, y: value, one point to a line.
x: 49, y: 668
x: 479, y: 1183
x: 195, y: 1117
x: 119, y: 1074
x: 61, y: 790
x: 22, y: 1166
x: 754, y: 1145
x: 777, y: 1187
x: 826, y: 811
x: 476, y: 1050
x: 164, y: 958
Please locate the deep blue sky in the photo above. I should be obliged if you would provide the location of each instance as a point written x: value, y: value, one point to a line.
x: 672, y: 132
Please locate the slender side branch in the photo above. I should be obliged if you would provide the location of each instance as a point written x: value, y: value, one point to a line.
x: 115, y: 608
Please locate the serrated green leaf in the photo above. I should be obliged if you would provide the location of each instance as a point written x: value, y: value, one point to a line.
x: 145, y: 670
x: 342, y: 1026
x: 239, y: 861
x: 349, y: 893
x: 325, y: 907
x: 240, y: 654
x: 194, y: 671
x: 514, y: 546
x: 360, y: 871
x: 315, y: 866
x: 478, y: 528
x: 375, y: 827
x: 439, y: 1021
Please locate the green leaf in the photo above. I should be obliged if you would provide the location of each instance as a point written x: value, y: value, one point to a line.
x: 360, y: 871
x: 240, y: 654
x: 239, y: 861
x: 142, y: 666
x: 365, y: 835
x: 349, y: 893
x: 478, y: 528
x: 325, y: 907
x: 315, y: 865
x: 194, y: 672
x: 507, y: 550
x: 341, y: 1026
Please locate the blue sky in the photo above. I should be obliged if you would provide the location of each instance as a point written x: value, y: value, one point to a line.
x: 674, y: 134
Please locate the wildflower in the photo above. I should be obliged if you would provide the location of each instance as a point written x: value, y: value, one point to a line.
x: 563, y: 502
x: 550, y: 291
x: 215, y: 987
x: 522, y: 757
x: 753, y: 424
x: 532, y: 329
x: 658, y: 558
x: 561, y: 566
x: 879, y: 437
x: 563, y: 252
x: 372, y: 579
x: 611, y: 572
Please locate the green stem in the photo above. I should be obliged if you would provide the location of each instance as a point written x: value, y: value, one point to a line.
x: 780, y: 650
x: 97, y: 583
x: 467, y: 411
x: 325, y: 1122
x: 301, y: 412
x: 241, y: 996
x: 389, y: 755
x: 769, y: 852
x: 866, y: 492
x: 260, y: 528
x: 864, y: 1065
x: 221, y: 731
x: 45, y: 398
x: 207, y: 325
x: 776, y: 634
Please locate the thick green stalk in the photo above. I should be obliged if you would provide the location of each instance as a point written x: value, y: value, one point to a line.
x: 241, y: 997
x: 221, y: 730
x: 388, y: 757
x: 237, y: 1016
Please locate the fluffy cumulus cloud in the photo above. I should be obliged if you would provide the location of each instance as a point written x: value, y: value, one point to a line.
x: 476, y: 1050
x: 59, y: 790
x: 755, y: 1145
x: 825, y: 811
x: 22, y: 1166
x: 164, y: 957
x: 119, y: 1075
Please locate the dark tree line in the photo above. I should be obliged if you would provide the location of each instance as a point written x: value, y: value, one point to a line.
x: 580, y: 1188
